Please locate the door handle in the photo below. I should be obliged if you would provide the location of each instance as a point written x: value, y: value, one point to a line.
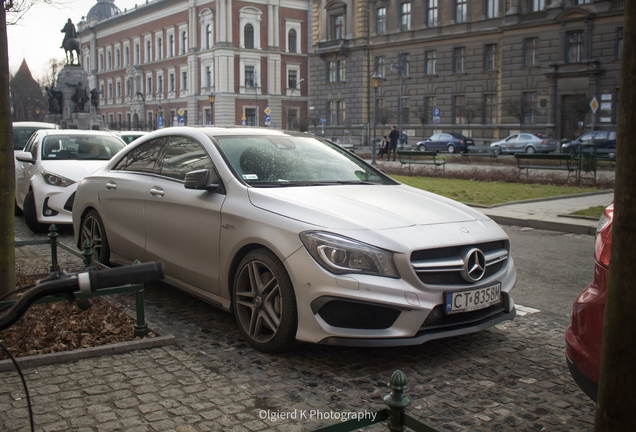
x: 157, y: 192
x: 111, y: 185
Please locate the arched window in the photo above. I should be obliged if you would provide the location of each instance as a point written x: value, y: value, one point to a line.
x: 109, y: 61
x: 117, y: 59
x: 208, y: 36
x: 159, y: 49
x: 101, y: 62
x: 171, y: 46
x: 291, y: 42
x: 126, y: 56
x: 137, y: 53
x: 148, y: 52
x: 249, y: 36
x: 184, y: 42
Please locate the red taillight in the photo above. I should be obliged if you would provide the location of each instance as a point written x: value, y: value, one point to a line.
x: 463, y: 142
x: 604, y: 237
x: 544, y: 142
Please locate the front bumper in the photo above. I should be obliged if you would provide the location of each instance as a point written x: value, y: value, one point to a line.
x: 59, y: 200
x: 361, y: 310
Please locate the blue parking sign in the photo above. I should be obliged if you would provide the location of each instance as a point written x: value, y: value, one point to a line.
x: 435, y: 112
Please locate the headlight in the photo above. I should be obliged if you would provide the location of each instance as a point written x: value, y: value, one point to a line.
x: 56, y: 180
x: 341, y: 255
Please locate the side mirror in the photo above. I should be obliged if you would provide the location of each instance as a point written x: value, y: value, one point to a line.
x: 204, y: 179
x: 23, y: 156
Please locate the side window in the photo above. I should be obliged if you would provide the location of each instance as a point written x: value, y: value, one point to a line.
x: 586, y: 138
x: 182, y: 156
x: 30, y: 143
x: 512, y: 138
x: 525, y: 137
x: 143, y: 158
x: 612, y: 135
x: 435, y: 137
x: 600, y: 136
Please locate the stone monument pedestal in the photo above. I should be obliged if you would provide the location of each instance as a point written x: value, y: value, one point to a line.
x: 74, y: 116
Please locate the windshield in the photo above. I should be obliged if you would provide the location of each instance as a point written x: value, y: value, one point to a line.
x: 21, y: 135
x: 66, y: 147
x: 295, y: 161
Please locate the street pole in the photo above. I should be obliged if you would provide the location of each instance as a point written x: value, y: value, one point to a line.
x: 400, y: 68
x: 256, y: 98
x: 211, y: 99
x: 375, y: 79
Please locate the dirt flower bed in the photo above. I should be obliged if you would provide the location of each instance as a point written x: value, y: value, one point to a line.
x: 61, y: 326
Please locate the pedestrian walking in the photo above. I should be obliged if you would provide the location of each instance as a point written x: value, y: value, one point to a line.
x: 393, y: 138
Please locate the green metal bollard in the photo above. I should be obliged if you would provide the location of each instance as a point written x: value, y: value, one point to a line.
x: 53, y: 240
x: 141, y: 328
x: 397, y: 401
x: 88, y: 253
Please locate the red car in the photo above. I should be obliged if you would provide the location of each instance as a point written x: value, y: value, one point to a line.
x: 584, y: 337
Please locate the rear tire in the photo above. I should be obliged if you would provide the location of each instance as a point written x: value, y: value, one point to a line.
x: 31, y: 215
x: 92, y: 229
x: 264, y: 303
x: 530, y: 150
x: 451, y: 148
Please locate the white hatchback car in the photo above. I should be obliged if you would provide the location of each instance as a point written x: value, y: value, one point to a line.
x: 50, y: 168
x: 299, y: 238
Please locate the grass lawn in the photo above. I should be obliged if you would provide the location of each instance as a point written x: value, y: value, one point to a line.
x: 487, y: 193
x: 594, y: 212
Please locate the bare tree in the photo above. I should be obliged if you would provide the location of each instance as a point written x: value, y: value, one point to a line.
x: 617, y: 381
x: 469, y: 113
x: 518, y: 108
x: 52, y: 68
x: 27, y: 97
x: 12, y: 11
x: 422, y: 114
x: 385, y: 116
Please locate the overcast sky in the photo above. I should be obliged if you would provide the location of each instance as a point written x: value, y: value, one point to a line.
x: 37, y: 37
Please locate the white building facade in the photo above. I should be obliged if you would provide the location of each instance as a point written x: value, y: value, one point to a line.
x: 165, y: 59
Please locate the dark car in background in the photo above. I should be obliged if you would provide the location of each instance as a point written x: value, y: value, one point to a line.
x: 602, y: 139
x: 584, y: 337
x: 450, y: 142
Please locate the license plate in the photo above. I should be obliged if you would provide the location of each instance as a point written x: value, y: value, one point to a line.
x: 464, y: 301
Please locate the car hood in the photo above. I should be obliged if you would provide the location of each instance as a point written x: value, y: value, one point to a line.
x: 373, y: 207
x: 74, y: 170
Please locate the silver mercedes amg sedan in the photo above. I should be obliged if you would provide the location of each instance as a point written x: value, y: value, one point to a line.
x: 300, y: 239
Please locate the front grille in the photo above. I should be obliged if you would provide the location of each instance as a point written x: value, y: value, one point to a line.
x: 68, y: 206
x: 437, y: 319
x: 355, y: 315
x: 443, y: 266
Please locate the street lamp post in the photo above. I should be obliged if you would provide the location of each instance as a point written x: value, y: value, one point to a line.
x: 400, y: 68
x: 375, y: 79
x: 211, y: 99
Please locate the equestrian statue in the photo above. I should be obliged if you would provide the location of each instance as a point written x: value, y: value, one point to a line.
x: 70, y: 43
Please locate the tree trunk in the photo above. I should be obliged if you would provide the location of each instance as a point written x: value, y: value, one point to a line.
x: 617, y: 384
x: 7, y: 171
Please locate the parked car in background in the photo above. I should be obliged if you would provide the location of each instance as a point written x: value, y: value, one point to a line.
x: 584, y: 337
x: 526, y: 143
x: 130, y: 136
x: 267, y: 224
x: 22, y: 131
x: 51, y: 166
x: 602, y: 139
x: 450, y: 142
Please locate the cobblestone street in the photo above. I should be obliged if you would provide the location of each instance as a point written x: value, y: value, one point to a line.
x: 510, y: 378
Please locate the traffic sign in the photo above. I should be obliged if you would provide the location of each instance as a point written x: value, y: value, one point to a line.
x: 436, y: 115
x: 160, y: 121
x: 323, y: 120
x: 594, y: 104
x: 267, y: 111
x: 243, y: 118
x: 181, y: 112
x: 267, y: 119
x: 181, y: 121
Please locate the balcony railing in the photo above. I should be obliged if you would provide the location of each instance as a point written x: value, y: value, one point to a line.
x: 534, y: 16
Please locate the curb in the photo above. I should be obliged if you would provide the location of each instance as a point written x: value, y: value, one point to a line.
x: 82, y: 353
x: 532, y: 200
x: 544, y: 225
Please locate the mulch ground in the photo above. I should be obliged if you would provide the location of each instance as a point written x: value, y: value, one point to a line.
x: 61, y: 326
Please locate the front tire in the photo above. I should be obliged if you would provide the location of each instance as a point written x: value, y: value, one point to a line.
x: 31, y: 215
x: 421, y: 147
x: 264, y: 303
x: 92, y: 229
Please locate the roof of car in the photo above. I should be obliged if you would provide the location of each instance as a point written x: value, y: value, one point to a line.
x: 41, y: 125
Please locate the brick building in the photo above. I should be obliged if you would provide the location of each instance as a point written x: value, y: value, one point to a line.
x: 167, y: 56
x: 491, y: 67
